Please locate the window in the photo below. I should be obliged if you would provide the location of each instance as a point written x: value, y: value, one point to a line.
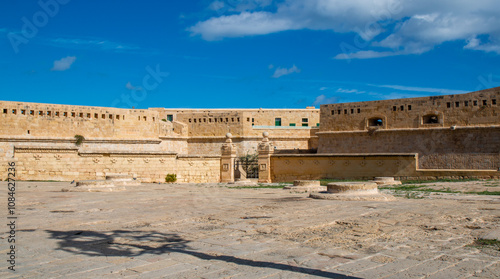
x: 4, y: 110
x: 73, y: 114
x: 227, y: 120
x: 409, y: 107
x: 375, y: 122
x: 359, y: 110
x: 190, y: 120
x: 457, y: 104
x: 210, y: 120
x: 494, y: 101
x: 88, y: 115
x: 65, y: 114
x: 204, y: 120
x: 292, y: 124
x: 23, y: 112
x: 305, y: 125
x: 40, y: 113
x: 195, y: 120
x: 81, y: 114
x: 232, y: 119
x: 345, y: 111
x: 448, y: 105
x: 56, y: 113
x: 96, y: 115
x: 317, y: 124
x: 277, y: 122
x: 338, y: 111
x: 333, y: 112
x: 139, y: 118
x: 402, y: 108
x: 170, y: 117
x: 430, y: 119
x: 394, y: 108
x: 475, y: 103
x: 32, y: 112
x: 248, y: 119
x: 485, y: 102
x: 145, y: 118
x: 305, y: 120
x: 466, y: 103
x: 253, y: 120
x: 14, y: 111
x: 238, y: 119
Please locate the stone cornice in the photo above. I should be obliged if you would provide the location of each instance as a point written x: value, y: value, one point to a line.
x: 44, y: 150
x: 349, y: 155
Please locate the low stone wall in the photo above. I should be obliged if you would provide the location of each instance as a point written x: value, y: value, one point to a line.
x: 70, y: 163
x: 290, y: 167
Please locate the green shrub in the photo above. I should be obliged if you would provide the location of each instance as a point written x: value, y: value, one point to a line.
x: 79, y: 139
x: 171, y: 178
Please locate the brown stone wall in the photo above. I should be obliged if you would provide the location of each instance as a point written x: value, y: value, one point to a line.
x: 472, y: 109
x: 287, y: 168
x: 437, y: 148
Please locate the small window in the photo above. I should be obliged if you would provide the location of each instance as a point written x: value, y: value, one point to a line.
x: 103, y: 116
x: 96, y: 115
x: 210, y: 120
x: 88, y: 115
x: 73, y: 114
x: 81, y: 114
x: 292, y: 124
x: 111, y: 117
x: 4, y: 110
x: 14, y: 111
x: 431, y: 119
x: 345, y: 111
x: 333, y: 112
x: 277, y: 122
x: 394, y: 108
x: 28, y: 132
x: 305, y: 125
x: 238, y: 119
x: 170, y: 117
x: 139, y: 118
x: 305, y: 120
x: 195, y: 120
x: 227, y: 120
x: 204, y: 120
x: 49, y: 113
x: 215, y: 120
x: 253, y: 120
x: 494, y: 101
x: 448, y: 105
x: 23, y: 112
x: 145, y: 118
x: 65, y: 114
x: 466, y: 103
x: 375, y: 122
x: 248, y: 119
x: 475, y: 103
x: 352, y: 111
x: 189, y: 120
x: 409, y: 107
x: 485, y: 102
x: 32, y: 112
x: 40, y: 113
x: 338, y: 112
x: 402, y: 108
x: 232, y: 119
x: 359, y: 110
x: 317, y: 124
x: 457, y: 104
x: 56, y: 113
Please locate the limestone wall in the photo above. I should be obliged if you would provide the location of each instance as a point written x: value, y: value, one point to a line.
x: 47, y: 120
x: 287, y: 168
x: 437, y: 148
x: 471, y: 109
x: 67, y: 163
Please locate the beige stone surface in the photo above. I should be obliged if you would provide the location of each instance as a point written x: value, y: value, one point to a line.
x: 210, y: 231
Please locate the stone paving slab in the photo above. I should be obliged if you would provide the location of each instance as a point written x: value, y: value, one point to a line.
x: 211, y: 231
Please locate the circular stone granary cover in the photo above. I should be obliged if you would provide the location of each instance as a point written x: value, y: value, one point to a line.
x: 352, y: 191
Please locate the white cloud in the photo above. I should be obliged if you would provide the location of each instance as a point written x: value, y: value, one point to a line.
x: 129, y: 86
x: 422, y: 89
x: 63, y: 64
x: 399, y: 27
x: 322, y: 99
x: 284, y: 71
x: 350, y: 91
x: 90, y: 44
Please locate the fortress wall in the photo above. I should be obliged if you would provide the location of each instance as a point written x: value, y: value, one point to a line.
x: 287, y: 168
x: 47, y: 120
x: 67, y: 164
x: 471, y: 109
x: 437, y: 148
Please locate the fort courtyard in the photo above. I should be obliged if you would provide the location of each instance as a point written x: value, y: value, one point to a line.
x: 223, y: 231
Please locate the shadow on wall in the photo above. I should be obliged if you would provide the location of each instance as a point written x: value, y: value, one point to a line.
x: 124, y: 243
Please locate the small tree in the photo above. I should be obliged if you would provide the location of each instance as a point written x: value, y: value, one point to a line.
x: 171, y: 178
x: 79, y: 139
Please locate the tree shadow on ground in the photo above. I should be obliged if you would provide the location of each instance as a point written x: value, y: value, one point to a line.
x: 125, y: 243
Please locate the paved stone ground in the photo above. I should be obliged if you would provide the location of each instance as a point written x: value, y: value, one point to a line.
x: 211, y: 231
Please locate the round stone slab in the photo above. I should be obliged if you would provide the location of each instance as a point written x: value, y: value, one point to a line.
x: 308, y: 183
x: 358, y: 188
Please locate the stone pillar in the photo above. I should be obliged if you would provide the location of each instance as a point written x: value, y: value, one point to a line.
x: 266, y: 149
x: 227, y: 160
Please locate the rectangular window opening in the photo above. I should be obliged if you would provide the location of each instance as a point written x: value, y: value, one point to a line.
x: 277, y: 122
x: 448, y: 105
x: 409, y: 107
x: 292, y: 124
x: 359, y: 110
x: 494, y: 101
x: 23, y: 112
x: 485, y: 102
x: 65, y: 114
x: 466, y: 103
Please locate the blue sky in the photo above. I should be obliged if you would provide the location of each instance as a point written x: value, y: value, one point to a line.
x: 245, y: 53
